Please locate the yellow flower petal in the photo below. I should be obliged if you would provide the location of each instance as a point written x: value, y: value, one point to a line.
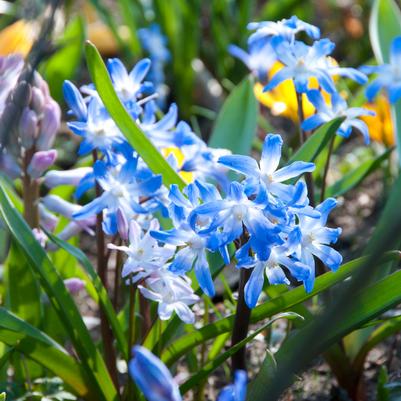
x: 17, y: 38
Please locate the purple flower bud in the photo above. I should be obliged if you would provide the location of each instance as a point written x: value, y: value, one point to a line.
x: 47, y: 220
x: 122, y: 225
x: 54, y: 178
x: 9, y: 166
x: 40, y: 162
x: 40, y: 236
x: 37, y: 100
x: 74, y: 285
x: 49, y: 125
x: 28, y: 127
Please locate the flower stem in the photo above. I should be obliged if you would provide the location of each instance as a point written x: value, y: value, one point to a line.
x: 326, y: 169
x: 106, y: 333
x: 30, y: 192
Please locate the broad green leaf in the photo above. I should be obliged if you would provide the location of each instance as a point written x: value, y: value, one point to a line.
x: 3, y: 397
x: 384, y: 331
x: 139, y: 141
x: 37, y: 346
x: 60, y: 298
x: 236, y: 123
x: 384, y: 26
x: 317, y: 141
x: 211, y: 366
x: 103, y: 296
x: 356, y: 176
x: 65, y: 62
x: 273, y: 306
x: 22, y: 289
x: 367, y: 304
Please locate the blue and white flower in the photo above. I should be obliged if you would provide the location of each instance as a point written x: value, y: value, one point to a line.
x: 302, y: 62
x: 266, y: 173
x: 285, y: 28
x: 339, y: 108
x: 388, y: 76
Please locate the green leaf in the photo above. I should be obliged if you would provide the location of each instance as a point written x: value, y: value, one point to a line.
x: 384, y: 26
x: 275, y: 305
x: 317, y: 141
x: 37, y: 346
x: 236, y: 123
x: 207, y: 369
x: 366, y: 304
x: 384, y: 331
x: 356, y: 176
x: 60, y: 298
x: 103, y: 296
x: 138, y: 140
x: 23, y: 291
x: 65, y: 62
x: 3, y: 397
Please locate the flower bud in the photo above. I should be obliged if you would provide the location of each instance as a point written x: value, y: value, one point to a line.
x: 122, y: 225
x: 56, y: 204
x: 28, y: 128
x: 74, y: 285
x: 47, y: 220
x: 40, y: 236
x: 37, y: 100
x: 53, y: 178
x: 40, y: 162
x: 75, y: 101
x: 152, y: 376
x: 49, y: 125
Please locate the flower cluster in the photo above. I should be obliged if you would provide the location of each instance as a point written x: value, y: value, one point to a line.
x: 308, y: 66
x: 267, y: 215
x: 276, y: 231
x: 26, y: 146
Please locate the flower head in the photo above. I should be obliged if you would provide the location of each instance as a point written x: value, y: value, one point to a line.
x: 339, y: 108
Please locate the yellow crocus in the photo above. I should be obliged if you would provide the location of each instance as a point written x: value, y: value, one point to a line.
x: 188, y: 177
x: 18, y: 38
x: 380, y: 126
x: 282, y: 100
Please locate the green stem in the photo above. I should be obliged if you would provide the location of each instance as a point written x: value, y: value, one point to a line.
x: 326, y: 169
x: 302, y: 138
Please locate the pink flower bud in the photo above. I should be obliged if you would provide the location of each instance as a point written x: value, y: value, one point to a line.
x: 40, y: 162
x: 74, y: 285
x: 28, y: 127
x: 40, y: 236
x: 49, y: 125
